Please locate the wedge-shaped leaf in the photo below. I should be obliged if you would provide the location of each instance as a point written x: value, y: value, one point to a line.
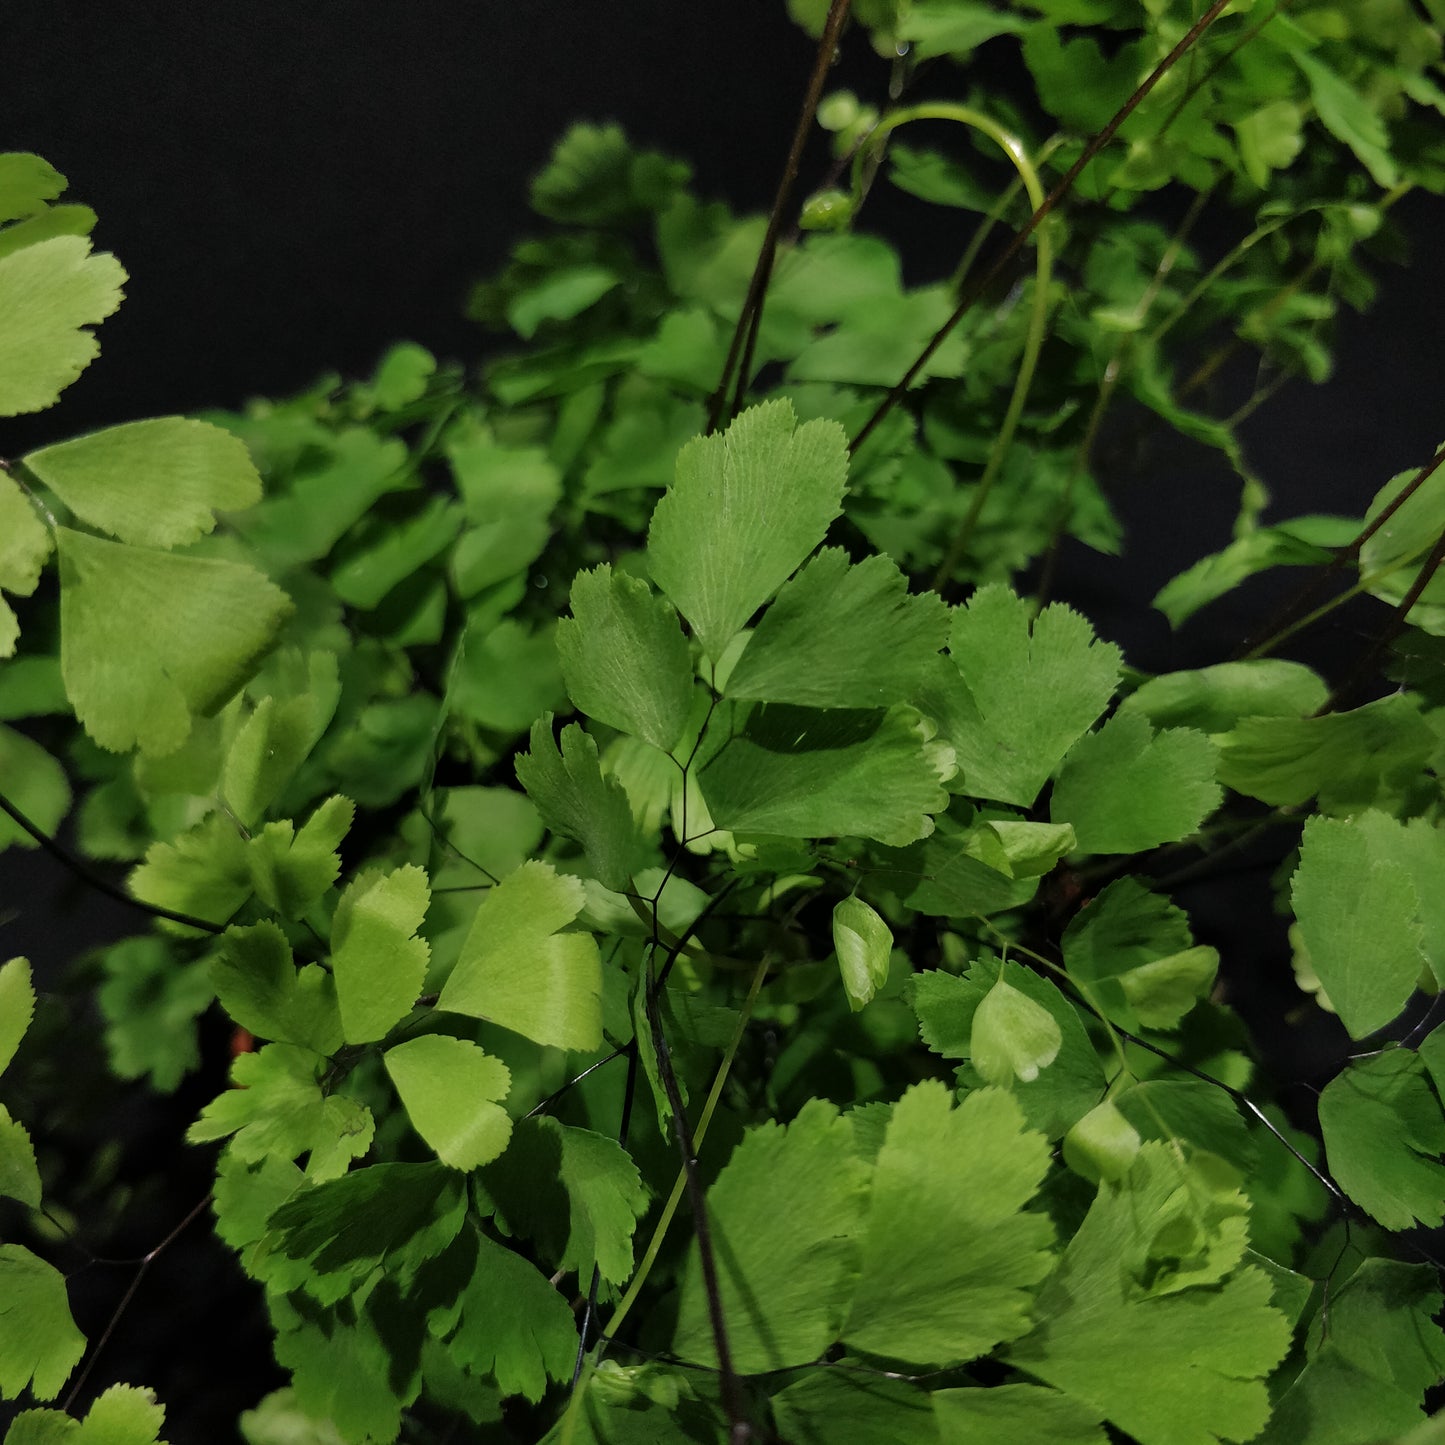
x: 1300, y: 542
x: 453, y: 1092
x: 151, y: 1000
x: 277, y: 1108
x: 1064, y: 1091
x: 19, y: 1174
x: 624, y: 658
x: 1126, y: 788
x: 149, y: 640
x: 39, y: 1343
x: 378, y: 962
x: 279, y: 735
x: 1372, y: 1356
x: 1014, y: 1415
x: 1035, y: 691
x: 291, y: 870
x: 1180, y: 1368
x: 1358, y: 912
x: 35, y: 783
x: 531, y: 1341
x: 1031, y: 849
x: 387, y: 554
x: 27, y: 182
x: 806, y: 773
x: 1214, y: 699
x: 1103, y: 1144
x: 49, y: 293
x: 1349, y: 760
x: 1012, y: 1037
x: 1384, y: 1134
x: 1133, y: 951
x: 397, y: 1215
x: 575, y: 1193
x: 518, y: 970
x: 747, y: 508
x: 204, y: 873
x: 596, y: 178
x: 864, y: 946
x: 17, y: 1007
x: 1350, y: 117
x: 785, y: 1214
x: 258, y: 984
x: 841, y: 635
x: 25, y: 543
x: 837, y: 1407
x: 157, y: 483
x: 950, y: 1261
x: 576, y: 801
x: 121, y: 1415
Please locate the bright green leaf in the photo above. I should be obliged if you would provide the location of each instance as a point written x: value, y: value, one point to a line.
x: 156, y: 483
x: 1012, y: 1037
x: 1102, y: 1145
x: 259, y: 986
x: 27, y: 182
x: 391, y: 552
x: 1384, y: 1135
x: 785, y: 1215
x: 518, y: 970
x: 1125, y: 788
x: 1350, y: 117
x: 624, y: 658
x: 378, y: 962
x: 864, y: 946
x: 35, y: 784
x: 747, y: 508
x: 950, y: 1260
x: 1214, y: 699
x: 204, y: 872
x: 39, y: 1343
x: 291, y: 870
x: 1358, y: 916
x: 1035, y: 689
x: 19, y: 1175
x: 841, y: 635
x: 17, y: 1006
x: 149, y: 640
x: 25, y: 544
x: 49, y: 293
x: 452, y: 1093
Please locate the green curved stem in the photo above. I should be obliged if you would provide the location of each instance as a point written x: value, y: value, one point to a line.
x: 1013, y: 148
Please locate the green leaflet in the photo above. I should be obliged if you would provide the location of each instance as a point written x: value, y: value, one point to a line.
x: 19, y: 1174
x: 576, y: 1193
x: 960, y: 1175
x: 518, y: 970
x: 150, y: 1000
x: 39, y: 1343
x: 864, y: 947
x: 121, y: 1415
x: 1015, y: 1415
x: 747, y: 508
x: 841, y: 635
x: 837, y: 1407
x: 27, y: 182
x: 1012, y: 1037
x: 17, y: 1006
x: 1035, y: 691
x: 386, y: 555
x: 377, y: 961
x: 1125, y: 788
x: 35, y: 783
x: 785, y: 1214
x: 624, y: 658
x: 1102, y: 1144
x: 960, y: 872
x: 595, y: 177
x: 258, y: 984
x: 150, y: 640
x: 1214, y: 699
x: 576, y: 800
x: 278, y: 1109
x: 155, y: 483
x: 452, y: 1092
x: 25, y: 544
x: 1180, y: 1368
x: 1349, y: 117
x: 205, y: 872
x: 290, y: 869
x: 49, y: 294
x: 1384, y: 1134
x: 806, y: 773
x: 1355, y: 896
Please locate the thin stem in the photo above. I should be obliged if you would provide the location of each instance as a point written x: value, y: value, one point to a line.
x: 87, y: 875
x: 746, y: 331
x: 1041, y: 213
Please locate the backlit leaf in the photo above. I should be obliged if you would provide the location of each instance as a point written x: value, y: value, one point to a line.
x: 378, y: 962
x: 747, y: 508
x: 518, y: 970
x: 1012, y: 1038
x: 149, y: 640
x: 1036, y: 690
x: 49, y: 294
x: 624, y: 658
x: 949, y: 1260
x: 156, y: 483
x: 841, y: 635
x: 452, y: 1093
x: 864, y: 945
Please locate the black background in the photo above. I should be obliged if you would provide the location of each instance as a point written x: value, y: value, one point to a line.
x: 292, y: 187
